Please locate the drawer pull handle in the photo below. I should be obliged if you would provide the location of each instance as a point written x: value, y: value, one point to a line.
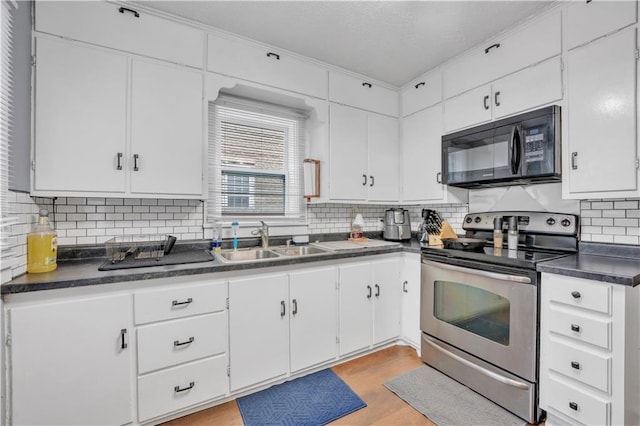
x: 496, y: 45
x: 177, y: 343
x: 575, y: 327
x: 186, y: 302
x: 575, y: 365
x: 295, y: 307
x: 283, y: 310
x: 377, y: 290
x: 135, y: 162
x: 178, y: 389
x: 365, y: 84
x: 485, y: 102
x: 123, y: 339
x: 422, y: 83
x: 576, y: 294
x: 275, y: 55
x: 126, y: 9
x: 573, y: 406
x: 404, y: 287
x: 369, y: 295
x: 119, y: 159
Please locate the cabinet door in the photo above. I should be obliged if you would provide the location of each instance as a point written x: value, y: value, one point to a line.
x: 258, y: 329
x: 68, y: 363
x: 80, y: 118
x: 314, y: 317
x: 601, y: 92
x: 421, y: 155
x: 166, y: 130
x: 348, y: 170
x: 528, y: 89
x: 411, y: 299
x: 387, y: 293
x: 383, y: 153
x: 586, y: 21
x: 356, y: 294
x: 468, y: 109
x: 421, y: 93
x: 359, y: 93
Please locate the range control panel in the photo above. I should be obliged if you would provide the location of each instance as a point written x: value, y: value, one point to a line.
x: 534, y: 222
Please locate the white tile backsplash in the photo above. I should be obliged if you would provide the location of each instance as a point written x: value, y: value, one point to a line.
x: 610, y: 221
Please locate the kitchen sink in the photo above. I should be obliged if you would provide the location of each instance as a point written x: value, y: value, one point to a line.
x: 298, y: 250
x: 246, y: 254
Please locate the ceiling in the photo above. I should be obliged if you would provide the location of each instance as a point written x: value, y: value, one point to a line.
x: 391, y: 41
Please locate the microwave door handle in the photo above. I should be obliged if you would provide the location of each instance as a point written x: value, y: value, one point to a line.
x: 515, y: 150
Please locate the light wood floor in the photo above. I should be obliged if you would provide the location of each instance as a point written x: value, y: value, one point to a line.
x: 365, y: 376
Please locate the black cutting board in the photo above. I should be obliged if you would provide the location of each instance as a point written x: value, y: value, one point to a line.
x: 177, y: 258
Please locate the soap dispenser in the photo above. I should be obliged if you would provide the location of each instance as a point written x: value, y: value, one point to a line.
x: 42, y: 246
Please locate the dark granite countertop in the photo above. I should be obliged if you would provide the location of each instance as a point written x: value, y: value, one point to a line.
x: 79, y: 267
x: 613, y: 263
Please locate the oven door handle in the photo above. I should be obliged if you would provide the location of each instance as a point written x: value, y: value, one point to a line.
x: 495, y: 376
x: 487, y: 274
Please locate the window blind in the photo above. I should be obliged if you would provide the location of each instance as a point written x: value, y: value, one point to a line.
x: 255, y: 160
x: 7, y: 243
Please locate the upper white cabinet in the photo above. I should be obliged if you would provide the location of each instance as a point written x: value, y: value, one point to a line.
x: 348, y: 90
x: 600, y: 146
x: 71, y: 362
x: 530, y: 88
x: 134, y: 127
x: 534, y: 42
x: 422, y: 93
x: 123, y: 28
x: 363, y: 155
x: 260, y: 64
x: 586, y: 21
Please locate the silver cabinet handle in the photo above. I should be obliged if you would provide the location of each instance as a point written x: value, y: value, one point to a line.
x: 487, y: 274
x: 574, y: 160
x: 123, y: 339
x: 119, y: 164
x: 178, y: 389
x: 186, y: 302
x: 177, y: 343
x: 135, y: 162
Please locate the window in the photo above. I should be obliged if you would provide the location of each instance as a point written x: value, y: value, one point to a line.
x: 255, y: 160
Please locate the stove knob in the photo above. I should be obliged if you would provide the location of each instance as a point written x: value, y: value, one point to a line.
x: 477, y: 219
x: 551, y: 221
x: 468, y: 219
x: 565, y: 222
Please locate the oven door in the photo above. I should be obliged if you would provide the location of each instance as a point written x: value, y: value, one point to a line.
x: 491, y: 315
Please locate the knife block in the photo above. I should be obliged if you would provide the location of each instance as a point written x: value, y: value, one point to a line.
x: 446, y: 231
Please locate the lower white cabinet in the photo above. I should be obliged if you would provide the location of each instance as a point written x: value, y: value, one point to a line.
x: 589, y: 359
x: 410, y: 278
x: 70, y: 361
x: 370, y: 299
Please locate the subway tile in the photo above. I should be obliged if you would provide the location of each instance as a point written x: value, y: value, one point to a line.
x: 627, y: 222
x: 626, y: 239
x: 592, y: 229
x: 96, y: 201
x: 123, y: 209
x: 76, y: 217
x: 114, y: 201
x: 597, y: 221
x: 132, y: 202
x: 141, y: 209
x: 105, y: 209
x: 86, y: 209
x: 610, y: 230
x: 602, y: 238
x: 602, y: 205
x: 591, y: 213
x: 628, y: 204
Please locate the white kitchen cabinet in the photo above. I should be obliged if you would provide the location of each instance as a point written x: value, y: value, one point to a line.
x: 245, y: 60
x: 421, y: 93
x: 370, y: 302
x: 363, y: 158
x: 258, y: 329
x: 348, y: 90
x: 586, y: 21
x: 313, y: 316
x: 166, y: 130
x: 534, y: 42
x: 589, y: 358
x: 600, y: 148
x: 422, y: 160
x: 530, y: 88
x: 71, y: 362
x: 133, y: 127
x: 80, y: 118
x: 122, y: 27
x: 410, y: 277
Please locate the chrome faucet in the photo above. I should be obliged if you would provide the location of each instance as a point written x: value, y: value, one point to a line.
x: 263, y: 231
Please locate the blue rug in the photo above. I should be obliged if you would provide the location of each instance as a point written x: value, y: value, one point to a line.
x: 316, y: 399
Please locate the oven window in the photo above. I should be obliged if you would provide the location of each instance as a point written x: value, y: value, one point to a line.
x: 473, y: 309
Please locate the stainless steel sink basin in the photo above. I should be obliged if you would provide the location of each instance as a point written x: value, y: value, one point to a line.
x: 298, y: 250
x: 246, y: 254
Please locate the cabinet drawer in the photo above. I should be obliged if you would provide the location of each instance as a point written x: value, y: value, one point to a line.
x: 421, y: 93
x: 577, y: 404
x: 587, y: 21
x: 594, y: 370
x: 578, y: 292
x: 359, y: 93
x: 170, y: 390
x: 103, y: 24
x: 178, y: 302
x: 175, y: 342
x: 584, y: 329
x: 248, y: 61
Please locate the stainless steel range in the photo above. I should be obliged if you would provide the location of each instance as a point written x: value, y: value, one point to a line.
x: 479, y: 308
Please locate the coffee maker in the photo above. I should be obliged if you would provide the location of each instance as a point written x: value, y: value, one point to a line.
x: 397, y: 225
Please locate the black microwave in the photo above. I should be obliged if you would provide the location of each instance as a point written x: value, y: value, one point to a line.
x: 517, y: 150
